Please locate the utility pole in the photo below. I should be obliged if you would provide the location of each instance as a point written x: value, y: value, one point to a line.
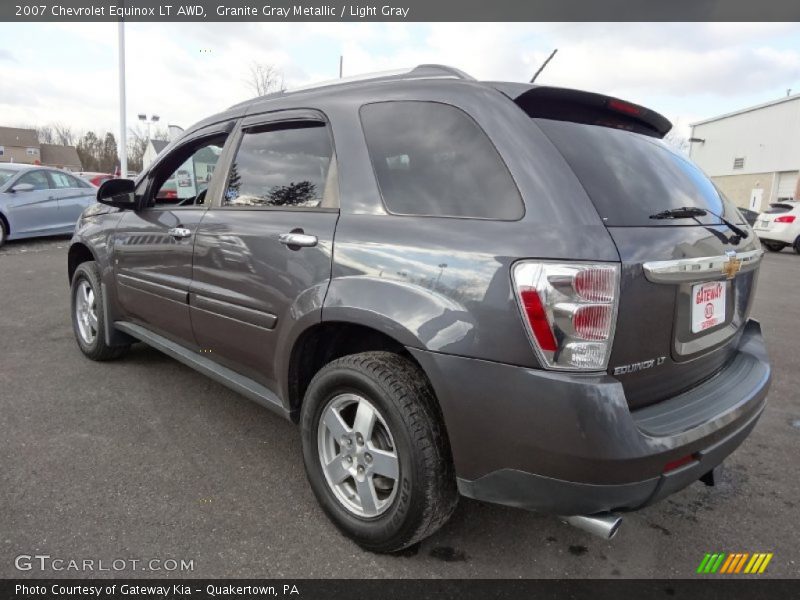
x: 544, y: 64
x: 341, y: 64
x: 123, y: 128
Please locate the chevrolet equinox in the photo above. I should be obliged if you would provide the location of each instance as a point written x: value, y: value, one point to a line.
x: 511, y: 292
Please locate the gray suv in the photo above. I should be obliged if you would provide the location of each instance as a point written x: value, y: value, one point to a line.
x: 511, y: 292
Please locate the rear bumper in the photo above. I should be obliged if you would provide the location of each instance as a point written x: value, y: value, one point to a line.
x: 783, y: 234
x: 568, y: 444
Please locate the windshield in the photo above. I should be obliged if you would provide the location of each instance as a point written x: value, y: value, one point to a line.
x: 5, y: 175
x: 630, y: 177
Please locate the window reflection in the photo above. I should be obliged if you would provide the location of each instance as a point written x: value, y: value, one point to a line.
x: 281, y: 167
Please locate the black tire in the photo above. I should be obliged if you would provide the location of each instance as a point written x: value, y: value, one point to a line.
x: 96, y: 349
x: 773, y: 246
x: 796, y: 245
x: 400, y: 392
x: 3, y: 232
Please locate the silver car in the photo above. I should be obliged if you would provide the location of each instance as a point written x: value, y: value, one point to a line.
x: 37, y: 201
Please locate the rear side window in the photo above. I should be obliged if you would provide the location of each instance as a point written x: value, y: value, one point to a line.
x: 432, y: 159
x: 630, y: 177
x: 62, y: 180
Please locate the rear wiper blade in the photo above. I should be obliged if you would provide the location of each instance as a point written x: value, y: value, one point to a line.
x: 684, y: 212
x: 689, y: 212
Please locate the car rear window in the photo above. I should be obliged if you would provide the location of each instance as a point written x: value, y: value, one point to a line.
x: 432, y: 159
x: 630, y: 177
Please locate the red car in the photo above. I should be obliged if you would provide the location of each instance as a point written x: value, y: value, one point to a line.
x: 96, y: 179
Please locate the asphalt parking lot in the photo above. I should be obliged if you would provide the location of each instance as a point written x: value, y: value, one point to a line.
x: 144, y: 458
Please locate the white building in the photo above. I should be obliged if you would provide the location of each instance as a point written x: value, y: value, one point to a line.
x: 753, y: 155
x: 151, y: 151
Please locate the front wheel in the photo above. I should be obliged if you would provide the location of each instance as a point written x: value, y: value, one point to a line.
x: 375, y: 450
x: 88, y: 320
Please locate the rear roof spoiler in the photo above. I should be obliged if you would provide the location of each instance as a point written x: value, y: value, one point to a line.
x: 564, y: 104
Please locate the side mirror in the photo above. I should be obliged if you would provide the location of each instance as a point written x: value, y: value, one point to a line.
x: 22, y: 187
x: 118, y: 193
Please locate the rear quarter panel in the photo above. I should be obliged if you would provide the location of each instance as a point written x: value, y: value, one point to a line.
x: 443, y: 284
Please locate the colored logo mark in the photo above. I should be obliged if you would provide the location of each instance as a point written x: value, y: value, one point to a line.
x: 735, y: 563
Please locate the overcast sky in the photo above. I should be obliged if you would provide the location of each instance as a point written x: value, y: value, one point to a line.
x: 183, y: 72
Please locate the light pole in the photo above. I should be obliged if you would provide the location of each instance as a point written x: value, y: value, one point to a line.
x: 153, y: 119
x: 123, y: 129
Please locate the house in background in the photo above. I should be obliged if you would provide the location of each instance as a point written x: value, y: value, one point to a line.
x: 151, y: 151
x: 22, y: 146
x: 62, y: 157
x: 19, y: 145
x: 753, y: 154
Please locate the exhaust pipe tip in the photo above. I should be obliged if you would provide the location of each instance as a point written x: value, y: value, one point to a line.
x: 603, y: 526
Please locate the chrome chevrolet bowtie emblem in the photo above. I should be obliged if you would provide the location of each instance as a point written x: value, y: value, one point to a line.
x: 732, y: 266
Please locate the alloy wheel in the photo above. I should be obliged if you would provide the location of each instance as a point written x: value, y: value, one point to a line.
x: 86, y: 312
x: 358, y: 455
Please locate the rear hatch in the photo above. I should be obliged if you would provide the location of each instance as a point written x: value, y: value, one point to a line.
x: 778, y: 220
x: 686, y: 284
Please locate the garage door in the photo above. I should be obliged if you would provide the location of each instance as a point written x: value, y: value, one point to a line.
x: 787, y: 183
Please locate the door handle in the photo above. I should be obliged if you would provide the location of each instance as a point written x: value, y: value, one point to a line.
x: 180, y: 232
x: 300, y: 240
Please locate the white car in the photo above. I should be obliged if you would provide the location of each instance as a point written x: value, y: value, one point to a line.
x: 779, y: 226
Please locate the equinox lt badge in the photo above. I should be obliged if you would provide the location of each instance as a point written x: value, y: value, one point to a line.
x: 639, y: 366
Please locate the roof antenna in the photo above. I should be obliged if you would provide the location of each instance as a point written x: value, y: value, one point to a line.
x: 544, y: 64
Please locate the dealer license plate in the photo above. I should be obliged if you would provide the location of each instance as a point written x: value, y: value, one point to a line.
x: 708, y: 305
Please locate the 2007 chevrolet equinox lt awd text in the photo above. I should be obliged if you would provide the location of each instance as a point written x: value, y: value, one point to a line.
x: 513, y: 292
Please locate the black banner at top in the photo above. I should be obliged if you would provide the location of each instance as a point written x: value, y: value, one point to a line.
x: 399, y: 10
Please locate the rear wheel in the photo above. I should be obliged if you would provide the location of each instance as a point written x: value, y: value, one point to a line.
x: 375, y: 451
x: 796, y: 245
x: 773, y: 246
x: 88, y: 320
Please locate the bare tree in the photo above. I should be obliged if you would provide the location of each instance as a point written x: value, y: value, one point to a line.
x: 137, y: 144
x: 676, y: 141
x: 46, y: 134
x: 63, y: 134
x: 265, y: 78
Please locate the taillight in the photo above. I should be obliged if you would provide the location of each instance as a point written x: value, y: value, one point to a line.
x: 569, y: 311
x: 785, y: 219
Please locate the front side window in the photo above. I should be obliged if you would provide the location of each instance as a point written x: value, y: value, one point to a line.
x: 37, y: 179
x: 280, y: 166
x: 186, y: 183
x: 5, y: 175
x: 432, y: 159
